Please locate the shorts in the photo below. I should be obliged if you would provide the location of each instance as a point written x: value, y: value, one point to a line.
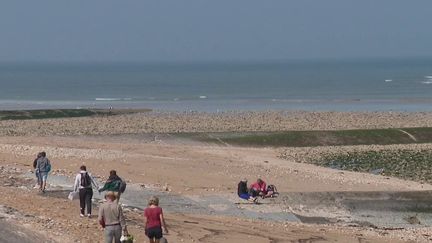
x: 43, y: 176
x: 244, y: 196
x: 154, y: 233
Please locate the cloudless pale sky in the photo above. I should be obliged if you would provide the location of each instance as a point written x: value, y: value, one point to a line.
x: 218, y: 30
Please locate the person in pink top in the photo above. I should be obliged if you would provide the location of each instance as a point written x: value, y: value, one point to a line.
x: 155, y: 221
x: 259, y: 188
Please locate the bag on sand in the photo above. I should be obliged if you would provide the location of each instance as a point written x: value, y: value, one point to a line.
x: 73, y: 196
x: 163, y: 240
x: 127, y: 238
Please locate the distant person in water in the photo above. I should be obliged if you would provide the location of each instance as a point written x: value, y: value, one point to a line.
x: 243, y: 192
x: 114, y: 184
x: 155, y: 221
x: 43, y: 167
x: 36, y: 172
x: 83, y: 184
x: 259, y: 188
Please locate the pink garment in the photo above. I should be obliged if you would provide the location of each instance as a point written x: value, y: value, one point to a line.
x: 259, y: 187
x: 153, y: 217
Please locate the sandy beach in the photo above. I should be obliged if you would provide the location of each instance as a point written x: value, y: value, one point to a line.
x: 198, y: 180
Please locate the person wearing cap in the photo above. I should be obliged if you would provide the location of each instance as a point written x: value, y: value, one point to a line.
x: 242, y: 191
x: 111, y: 218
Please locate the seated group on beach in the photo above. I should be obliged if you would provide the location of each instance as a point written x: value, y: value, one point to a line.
x: 257, y: 189
x: 110, y: 215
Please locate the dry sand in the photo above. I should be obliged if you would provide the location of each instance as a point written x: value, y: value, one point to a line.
x: 153, y: 122
x: 191, y: 170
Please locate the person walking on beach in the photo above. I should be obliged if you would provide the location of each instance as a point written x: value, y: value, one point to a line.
x: 114, y: 184
x: 43, y: 167
x: 155, y: 221
x: 83, y: 184
x: 36, y: 172
x: 111, y: 219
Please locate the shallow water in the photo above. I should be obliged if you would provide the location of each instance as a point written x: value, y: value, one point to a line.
x: 344, y: 85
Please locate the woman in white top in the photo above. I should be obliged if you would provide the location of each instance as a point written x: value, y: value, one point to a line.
x: 83, y: 185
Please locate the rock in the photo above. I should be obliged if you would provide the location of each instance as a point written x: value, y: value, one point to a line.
x: 413, y: 220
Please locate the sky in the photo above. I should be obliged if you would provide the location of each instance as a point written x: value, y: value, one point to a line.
x: 218, y: 30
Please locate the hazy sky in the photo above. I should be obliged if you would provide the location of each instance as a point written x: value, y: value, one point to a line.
x: 188, y: 30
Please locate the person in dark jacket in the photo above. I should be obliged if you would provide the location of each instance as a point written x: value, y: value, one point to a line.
x: 243, y: 192
x: 113, y: 184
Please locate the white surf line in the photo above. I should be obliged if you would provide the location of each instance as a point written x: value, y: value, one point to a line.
x: 409, y: 135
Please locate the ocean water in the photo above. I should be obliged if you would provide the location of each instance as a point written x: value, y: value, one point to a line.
x: 347, y: 85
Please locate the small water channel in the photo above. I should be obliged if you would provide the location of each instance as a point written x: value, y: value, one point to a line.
x: 372, y: 209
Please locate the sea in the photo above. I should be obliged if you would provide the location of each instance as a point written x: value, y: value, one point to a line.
x: 385, y: 84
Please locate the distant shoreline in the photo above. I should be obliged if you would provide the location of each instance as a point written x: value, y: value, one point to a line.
x: 63, y: 113
x: 211, y: 104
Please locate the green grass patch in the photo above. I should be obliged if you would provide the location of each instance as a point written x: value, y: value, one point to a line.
x: 60, y: 113
x: 405, y: 164
x: 321, y: 138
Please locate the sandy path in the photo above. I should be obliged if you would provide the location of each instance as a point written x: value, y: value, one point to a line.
x: 192, y: 169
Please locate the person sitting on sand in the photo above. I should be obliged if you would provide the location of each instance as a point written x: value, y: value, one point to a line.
x: 83, y: 184
x: 111, y: 219
x: 155, y: 221
x: 243, y: 192
x: 113, y: 184
x: 43, y: 167
x: 259, y: 188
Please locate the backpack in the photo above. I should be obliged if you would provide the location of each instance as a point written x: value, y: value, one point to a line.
x: 122, y: 186
x: 48, y: 167
x: 271, y: 188
x: 272, y: 191
x: 85, y: 180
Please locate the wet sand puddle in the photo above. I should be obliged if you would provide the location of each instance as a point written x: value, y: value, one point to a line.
x: 137, y: 197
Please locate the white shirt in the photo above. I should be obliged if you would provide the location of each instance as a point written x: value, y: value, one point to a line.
x: 77, y: 184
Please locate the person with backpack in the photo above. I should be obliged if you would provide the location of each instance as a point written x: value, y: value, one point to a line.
x: 43, y: 167
x: 36, y: 172
x: 83, y: 184
x: 114, y: 184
